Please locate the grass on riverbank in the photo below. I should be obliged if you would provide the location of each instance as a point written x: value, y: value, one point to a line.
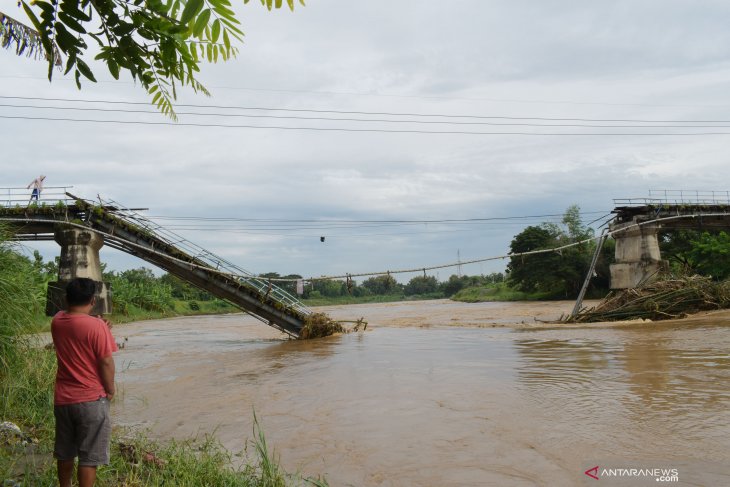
x: 26, y: 399
x: 496, y: 292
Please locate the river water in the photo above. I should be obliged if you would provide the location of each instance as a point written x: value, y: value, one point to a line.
x: 444, y: 394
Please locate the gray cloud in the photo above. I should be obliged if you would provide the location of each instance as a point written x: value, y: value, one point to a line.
x: 623, y: 59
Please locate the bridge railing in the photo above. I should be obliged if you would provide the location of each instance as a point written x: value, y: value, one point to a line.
x: 262, y: 286
x: 677, y: 197
x: 50, y: 195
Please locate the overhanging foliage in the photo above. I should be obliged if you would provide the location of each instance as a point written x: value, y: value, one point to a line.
x: 160, y: 43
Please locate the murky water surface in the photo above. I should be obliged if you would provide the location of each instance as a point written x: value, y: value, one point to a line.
x: 444, y: 405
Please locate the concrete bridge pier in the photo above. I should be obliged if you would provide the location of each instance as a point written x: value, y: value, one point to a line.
x: 79, y: 258
x: 638, y: 258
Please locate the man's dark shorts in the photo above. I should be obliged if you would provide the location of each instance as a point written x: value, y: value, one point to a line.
x: 83, y: 430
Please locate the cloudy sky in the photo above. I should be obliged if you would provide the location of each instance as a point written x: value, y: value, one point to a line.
x: 550, y: 59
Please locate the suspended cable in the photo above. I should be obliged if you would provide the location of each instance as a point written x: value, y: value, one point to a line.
x: 357, y: 120
x: 366, y: 130
x: 558, y: 249
x: 354, y: 112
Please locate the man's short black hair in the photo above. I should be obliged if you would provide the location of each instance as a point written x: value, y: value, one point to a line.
x: 80, y: 291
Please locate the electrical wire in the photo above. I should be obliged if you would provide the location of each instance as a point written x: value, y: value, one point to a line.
x: 558, y: 249
x: 357, y: 120
x: 354, y: 112
x: 367, y: 130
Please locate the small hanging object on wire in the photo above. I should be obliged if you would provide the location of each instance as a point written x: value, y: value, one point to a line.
x: 424, y: 272
x: 349, y: 284
x: 321, y: 239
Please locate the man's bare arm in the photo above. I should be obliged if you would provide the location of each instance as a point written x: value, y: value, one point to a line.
x: 106, y: 370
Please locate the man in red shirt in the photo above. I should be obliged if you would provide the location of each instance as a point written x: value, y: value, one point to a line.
x: 84, y: 385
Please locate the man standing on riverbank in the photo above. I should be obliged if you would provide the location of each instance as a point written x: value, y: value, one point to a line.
x: 84, y: 385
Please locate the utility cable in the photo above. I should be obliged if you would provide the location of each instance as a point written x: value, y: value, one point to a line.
x: 364, y: 130
x: 354, y: 112
x: 357, y: 120
x: 558, y: 249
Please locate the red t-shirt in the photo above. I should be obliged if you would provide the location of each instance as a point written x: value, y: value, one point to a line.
x: 81, y: 341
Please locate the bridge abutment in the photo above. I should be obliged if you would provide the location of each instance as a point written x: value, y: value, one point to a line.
x: 638, y: 258
x: 79, y: 258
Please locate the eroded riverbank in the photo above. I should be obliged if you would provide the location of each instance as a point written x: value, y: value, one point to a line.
x: 480, y: 403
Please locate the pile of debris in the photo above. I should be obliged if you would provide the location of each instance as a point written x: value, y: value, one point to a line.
x: 669, y: 298
x: 318, y: 325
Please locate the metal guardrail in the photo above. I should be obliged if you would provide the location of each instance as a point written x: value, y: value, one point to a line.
x: 50, y: 195
x: 677, y: 197
x: 248, y: 279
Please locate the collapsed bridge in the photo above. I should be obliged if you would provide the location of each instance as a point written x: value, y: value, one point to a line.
x: 81, y: 227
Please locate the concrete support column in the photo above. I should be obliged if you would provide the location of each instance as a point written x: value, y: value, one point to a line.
x: 638, y: 258
x: 79, y: 258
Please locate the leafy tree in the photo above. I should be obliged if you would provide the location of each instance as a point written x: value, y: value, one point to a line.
x: 457, y: 283
x: 381, y: 284
x: 183, y: 290
x: 160, y: 43
x: 560, y: 274
x: 534, y: 272
x: 710, y: 255
x: 328, y: 288
x: 421, y: 285
x: 676, y: 247
x: 289, y: 286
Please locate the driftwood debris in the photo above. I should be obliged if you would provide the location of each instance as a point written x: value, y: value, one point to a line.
x: 669, y: 298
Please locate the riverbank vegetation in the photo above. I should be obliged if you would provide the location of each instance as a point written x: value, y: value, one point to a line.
x: 27, y: 373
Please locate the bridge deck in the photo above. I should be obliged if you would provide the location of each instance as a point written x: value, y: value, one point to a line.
x: 129, y: 232
x: 693, y: 216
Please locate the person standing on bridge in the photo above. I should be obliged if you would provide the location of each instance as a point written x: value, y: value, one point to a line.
x: 84, y: 385
x: 37, y: 185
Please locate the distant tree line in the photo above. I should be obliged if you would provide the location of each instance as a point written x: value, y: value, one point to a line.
x: 384, y: 285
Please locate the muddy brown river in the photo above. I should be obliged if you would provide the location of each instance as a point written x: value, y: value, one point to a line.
x: 439, y: 393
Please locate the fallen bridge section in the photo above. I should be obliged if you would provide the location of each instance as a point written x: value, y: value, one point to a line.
x: 130, y: 232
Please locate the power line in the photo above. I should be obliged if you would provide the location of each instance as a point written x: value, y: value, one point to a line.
x: 354, y: 112
x: 366, y: 120
x: 447, y: 220
x: 363, y: 130
x: 558, y: 249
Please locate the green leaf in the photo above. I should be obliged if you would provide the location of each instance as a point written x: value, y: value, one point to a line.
x: 65, y: 40
x: 31, y: 15
x: 70, y: 64
x: 192, y: 7
x: 71, y: 23
x: 84, y: 68
x: 235, y: 31
x: 113, y: 68
x: 201, y: 23
x: 226, y: 39
x: 215, y: 31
